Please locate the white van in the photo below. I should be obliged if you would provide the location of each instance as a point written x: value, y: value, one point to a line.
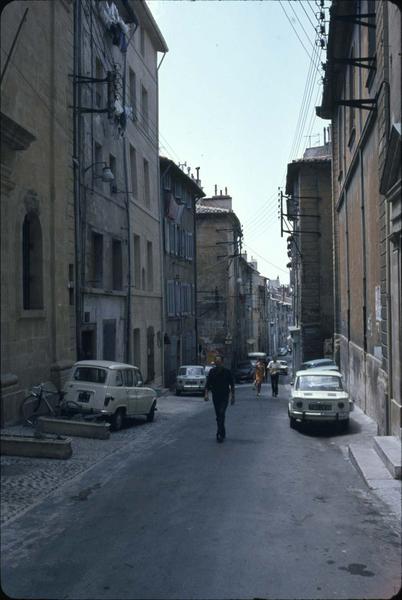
x: 114, y: 389
x: 256, y: 356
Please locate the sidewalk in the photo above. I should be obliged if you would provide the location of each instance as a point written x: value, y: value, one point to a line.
x: 358, y: 446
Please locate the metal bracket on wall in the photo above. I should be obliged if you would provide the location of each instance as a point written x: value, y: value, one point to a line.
x: 366, y: 104
x: 357, y: 19
x: 365, y: 62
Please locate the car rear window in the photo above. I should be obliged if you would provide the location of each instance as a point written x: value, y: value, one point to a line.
x: 319, y: 383
x: 90, y: 374
x: 191, y: 371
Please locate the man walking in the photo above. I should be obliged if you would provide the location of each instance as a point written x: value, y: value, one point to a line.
x: 274, y: 370
x: 220, y: 383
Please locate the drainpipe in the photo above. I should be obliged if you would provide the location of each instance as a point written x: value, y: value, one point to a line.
x: 128, y: 213
x: 390, y: 391
x: 364, y: 278
x: 76, y: 166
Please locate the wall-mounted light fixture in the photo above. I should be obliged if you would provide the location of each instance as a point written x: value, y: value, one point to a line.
x: 107, y: 174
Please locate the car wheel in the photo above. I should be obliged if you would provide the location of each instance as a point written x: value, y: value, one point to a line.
x: 178, y: 392
x: 292, y: 423
x: 117, y: 419
x: 151, y: 414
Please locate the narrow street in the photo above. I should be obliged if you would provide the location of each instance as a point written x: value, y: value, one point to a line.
x: 271, y: 513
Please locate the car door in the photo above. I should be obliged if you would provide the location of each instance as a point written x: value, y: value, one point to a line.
x: 143, y: 394
x: 117, y: 390
x: 129, y: 382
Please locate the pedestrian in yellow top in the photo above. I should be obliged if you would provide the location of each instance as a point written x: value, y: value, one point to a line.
x: 259, y: 376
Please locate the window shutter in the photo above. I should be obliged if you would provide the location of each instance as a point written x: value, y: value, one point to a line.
x: 167, y: 241
x: 190, y: 246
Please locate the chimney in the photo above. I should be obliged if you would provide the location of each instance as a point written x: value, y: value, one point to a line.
x: 226, y: 191
x: 216, y: 189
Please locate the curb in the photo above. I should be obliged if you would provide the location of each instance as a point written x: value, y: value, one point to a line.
x: 100, y: 431
x: 21, y: 445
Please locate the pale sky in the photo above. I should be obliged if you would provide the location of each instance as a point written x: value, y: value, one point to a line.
x: 231, y: 90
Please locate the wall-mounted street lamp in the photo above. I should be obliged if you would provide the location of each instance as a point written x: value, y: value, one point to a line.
x: 107, y: 174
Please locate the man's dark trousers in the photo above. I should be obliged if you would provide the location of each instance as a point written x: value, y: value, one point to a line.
x: 220, y: 405
x: 274, y: 383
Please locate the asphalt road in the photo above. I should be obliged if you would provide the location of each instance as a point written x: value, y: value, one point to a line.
x: 270, y: 513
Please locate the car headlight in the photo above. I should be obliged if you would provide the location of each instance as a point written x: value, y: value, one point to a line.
x: 299, y: 404
x: 341, y: 405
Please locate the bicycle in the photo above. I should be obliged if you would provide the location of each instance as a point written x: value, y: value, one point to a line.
x: 37, y: 405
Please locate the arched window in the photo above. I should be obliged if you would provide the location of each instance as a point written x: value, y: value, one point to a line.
x: 32, y: 263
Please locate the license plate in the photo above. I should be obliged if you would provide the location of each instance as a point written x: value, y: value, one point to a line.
x: 84, y: 396
x: 319, y: 406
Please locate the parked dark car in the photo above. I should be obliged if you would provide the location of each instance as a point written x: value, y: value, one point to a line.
x: 321, y: 363
x: 244, y: 372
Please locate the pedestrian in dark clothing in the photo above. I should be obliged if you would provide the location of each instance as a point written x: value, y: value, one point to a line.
x: 220, y: 383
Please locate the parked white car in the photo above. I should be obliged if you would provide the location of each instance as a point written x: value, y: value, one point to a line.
x: 114, y: 389
x: 319, y: 395
x: 190, y: 378
x: 283, y: 369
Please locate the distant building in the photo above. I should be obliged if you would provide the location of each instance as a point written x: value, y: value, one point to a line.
x: 280, y: 316
x: 309, y: 209
x: 179, y: 194
x: 218, y: 279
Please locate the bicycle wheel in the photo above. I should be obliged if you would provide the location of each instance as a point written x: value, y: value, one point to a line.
x: 29, y: 408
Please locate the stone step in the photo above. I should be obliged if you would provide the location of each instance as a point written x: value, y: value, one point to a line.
x: 35, y: 447
x: 370, y: 466
x: 100, y: 431
x: 388, y: 449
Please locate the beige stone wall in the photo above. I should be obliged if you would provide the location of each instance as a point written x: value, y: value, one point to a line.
x: 361, y: 226
x: 37, y: 345
x: 147, y: 306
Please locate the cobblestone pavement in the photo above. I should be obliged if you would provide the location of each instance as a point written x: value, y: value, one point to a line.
x: 26, y: 481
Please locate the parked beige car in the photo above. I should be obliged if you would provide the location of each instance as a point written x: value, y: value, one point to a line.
x: 190, y: 378
x: 114, y: 389
x: 319, y: 395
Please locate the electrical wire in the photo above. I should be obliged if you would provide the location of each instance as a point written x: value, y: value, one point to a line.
x: 305, y: 105
x: 293, y: 27
x: 265, y: 260
x: 312, y: 9
x: 307, y: 15
x: 300, y: 23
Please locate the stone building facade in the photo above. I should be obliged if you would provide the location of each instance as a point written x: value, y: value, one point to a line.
x: 280, y: 316
x: 309, y: 209
x: 37, y: 210
x: 218, y: 279
x: 119, y: 253
x: 179, y: 195
x: 142, y: 149
x: 362, y: 97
